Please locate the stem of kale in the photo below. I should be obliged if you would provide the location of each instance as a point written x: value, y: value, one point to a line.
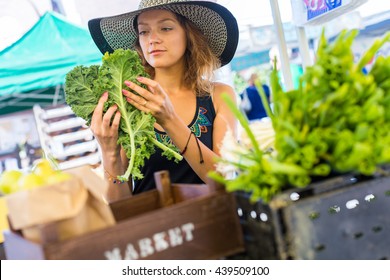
x: 175, y: 154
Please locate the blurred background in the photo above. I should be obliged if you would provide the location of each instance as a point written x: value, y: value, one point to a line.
x: 41, y: 40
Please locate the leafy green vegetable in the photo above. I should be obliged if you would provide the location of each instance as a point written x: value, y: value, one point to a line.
x: 85, y: 85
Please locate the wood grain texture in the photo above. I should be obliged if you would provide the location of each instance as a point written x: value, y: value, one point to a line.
x: 178, y: 221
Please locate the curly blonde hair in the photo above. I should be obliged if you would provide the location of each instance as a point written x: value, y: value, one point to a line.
x: 200, y: 61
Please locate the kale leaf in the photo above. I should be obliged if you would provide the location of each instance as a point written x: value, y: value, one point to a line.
x: 85, y: 85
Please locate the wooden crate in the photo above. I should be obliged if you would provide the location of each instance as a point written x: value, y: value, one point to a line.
x: 345, y: 217
x: 177, y: 221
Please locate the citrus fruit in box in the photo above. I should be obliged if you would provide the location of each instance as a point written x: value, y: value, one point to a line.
x: 57, y: 177
x: 42, y: 174
x: 3, y: 217
x: 30, y: 181
x: 43, y: 168
x: 8, y: 181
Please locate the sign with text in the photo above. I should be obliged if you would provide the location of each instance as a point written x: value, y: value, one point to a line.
x: 316, y: 8
x: 313, y: 12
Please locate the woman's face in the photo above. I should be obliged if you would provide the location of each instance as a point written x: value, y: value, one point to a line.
x: 162, y: 38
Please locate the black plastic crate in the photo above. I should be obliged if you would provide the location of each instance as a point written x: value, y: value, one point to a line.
x: 344, y: 217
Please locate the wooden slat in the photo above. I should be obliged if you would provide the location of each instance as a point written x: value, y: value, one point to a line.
x: 178, y: 221
x: 135, y: 205
x: 183, y: 192
x: 163, y: 186
x: 216, y: 233
x: 208, y: 228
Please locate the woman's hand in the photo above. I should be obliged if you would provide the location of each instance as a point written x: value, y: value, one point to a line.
x: 105, y: 126
x: 154, y: 101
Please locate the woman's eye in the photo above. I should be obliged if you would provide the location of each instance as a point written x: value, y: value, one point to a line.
x: 142, y: 32
x: 166, y: 28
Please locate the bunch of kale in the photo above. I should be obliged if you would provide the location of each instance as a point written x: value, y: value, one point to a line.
x: 85, y: 85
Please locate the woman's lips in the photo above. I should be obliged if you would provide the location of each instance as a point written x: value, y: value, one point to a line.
x: 156, y: 52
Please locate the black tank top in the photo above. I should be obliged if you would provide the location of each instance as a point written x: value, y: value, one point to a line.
x: 181, y: 172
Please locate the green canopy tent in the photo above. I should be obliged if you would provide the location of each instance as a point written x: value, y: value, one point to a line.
x: 33, y: 69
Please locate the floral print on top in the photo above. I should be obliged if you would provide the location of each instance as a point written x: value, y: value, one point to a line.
x: 198, y: 127
x: 180, y: 172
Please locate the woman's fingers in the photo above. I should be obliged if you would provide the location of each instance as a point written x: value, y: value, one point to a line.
x: 144, y: 97
x: 103, y: 122
x: 98, y: 112
x: 146, y: 106
x: 135, y: 98
x: 108, y: 115
x: 115, y: 122
x: 149, y: 101
x: 152, y: 84
x: 138, y: 89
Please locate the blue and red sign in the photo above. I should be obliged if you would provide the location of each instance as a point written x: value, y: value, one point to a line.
x: 316, y: 8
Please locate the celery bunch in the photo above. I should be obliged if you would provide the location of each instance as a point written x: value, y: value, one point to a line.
x: 338, y: 120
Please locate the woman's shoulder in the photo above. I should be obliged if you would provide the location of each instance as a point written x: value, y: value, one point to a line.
x: 221, y: 85
x: 221, y: 89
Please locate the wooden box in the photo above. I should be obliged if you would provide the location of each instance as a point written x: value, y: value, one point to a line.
x: 177, y: 221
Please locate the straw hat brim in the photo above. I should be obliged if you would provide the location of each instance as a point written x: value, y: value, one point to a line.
x: 215, y: 21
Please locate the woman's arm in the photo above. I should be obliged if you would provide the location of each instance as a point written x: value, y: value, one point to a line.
x: 200, y: 158
x: 105, y: 126
x: 224, y: 120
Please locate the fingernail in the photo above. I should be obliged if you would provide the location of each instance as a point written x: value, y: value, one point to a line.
x: 139, y: 78
x: 105, y: 94
x: 128, y: 83
x: 124, y: 91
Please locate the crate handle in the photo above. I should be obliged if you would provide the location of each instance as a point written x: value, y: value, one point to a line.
x: 170, y: 194
x: 163, y: 186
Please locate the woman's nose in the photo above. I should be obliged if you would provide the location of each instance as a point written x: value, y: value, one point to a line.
x: 154, y: 38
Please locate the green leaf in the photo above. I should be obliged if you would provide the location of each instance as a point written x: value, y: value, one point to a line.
x: 84, y: 87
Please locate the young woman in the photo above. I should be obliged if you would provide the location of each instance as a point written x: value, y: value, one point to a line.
x: 181, y: 43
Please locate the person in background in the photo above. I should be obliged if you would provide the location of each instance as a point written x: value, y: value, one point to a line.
x: 295, y: 69
x: 251, y: 102
x: 181, y: 43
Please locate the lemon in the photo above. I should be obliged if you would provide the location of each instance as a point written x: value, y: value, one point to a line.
x: 57, y: 177
x: 3, y: 217
x: 8, y: 181
x: 30, y: 181
x: 43, y: 168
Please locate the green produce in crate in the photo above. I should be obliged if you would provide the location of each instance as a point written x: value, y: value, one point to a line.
x: 338, y: 120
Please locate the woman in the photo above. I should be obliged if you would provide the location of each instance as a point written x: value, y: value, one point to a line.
x: 181, y: 43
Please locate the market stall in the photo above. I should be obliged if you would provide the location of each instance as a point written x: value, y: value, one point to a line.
x: 33, y: 69
x: 32, y: 72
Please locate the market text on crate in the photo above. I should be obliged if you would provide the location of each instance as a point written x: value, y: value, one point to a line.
x: 159, y: 242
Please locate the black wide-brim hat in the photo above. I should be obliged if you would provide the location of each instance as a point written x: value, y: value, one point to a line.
x: 215, y: 21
